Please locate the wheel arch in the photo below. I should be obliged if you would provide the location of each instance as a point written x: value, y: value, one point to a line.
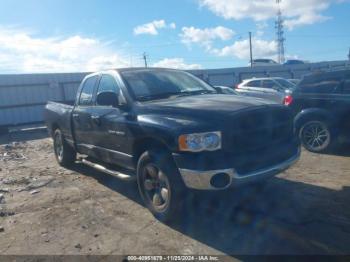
x: 147, y: 143
x: 54, y: 126
x: 312, y: 114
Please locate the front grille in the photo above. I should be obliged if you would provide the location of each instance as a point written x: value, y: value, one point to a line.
x: 262, y: 159
x: 259, y: 129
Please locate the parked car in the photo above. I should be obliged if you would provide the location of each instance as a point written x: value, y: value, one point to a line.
x: 271, y: 88
x: 172, y: 133
x: 321, y: 105
x: 226, y: 90
x: 294, y: 62
x: 264, y: 62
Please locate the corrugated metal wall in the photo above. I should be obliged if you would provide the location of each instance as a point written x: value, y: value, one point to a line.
x: 23, y: 97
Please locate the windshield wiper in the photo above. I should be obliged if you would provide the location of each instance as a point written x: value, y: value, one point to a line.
x: 197, y: 92
x: 157, y: 96
x: 167, y: 95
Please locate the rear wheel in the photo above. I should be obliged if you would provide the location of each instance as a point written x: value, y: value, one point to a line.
x: 316, y: 136
x: 65, y: 154
x: 160, y: 185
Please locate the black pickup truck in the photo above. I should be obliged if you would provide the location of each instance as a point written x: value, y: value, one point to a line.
x: 171, y: 132
x: 321, y: 105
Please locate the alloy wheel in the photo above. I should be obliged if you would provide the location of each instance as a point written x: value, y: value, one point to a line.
x: 58, y: 146
x: 156, y: 187
x: 315, y: 136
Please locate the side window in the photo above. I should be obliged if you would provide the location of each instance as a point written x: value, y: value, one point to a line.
x: 87, y: 91
x: 268, y: 84
x: 346, y: 86
x: 323, y: 86
x: 107, y: 84
x: 256, y: 83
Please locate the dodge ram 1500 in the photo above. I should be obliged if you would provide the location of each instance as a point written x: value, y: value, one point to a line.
x: 172, y: 133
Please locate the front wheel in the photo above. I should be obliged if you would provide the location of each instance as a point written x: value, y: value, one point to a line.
x: 316, y: 136
x: 160, y: 185
x: 65, y: 155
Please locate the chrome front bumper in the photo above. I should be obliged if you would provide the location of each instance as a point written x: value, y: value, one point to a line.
x: 201, y: 179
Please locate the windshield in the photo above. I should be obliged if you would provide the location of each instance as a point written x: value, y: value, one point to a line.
x: 157, y: 84
x: 285, y: 83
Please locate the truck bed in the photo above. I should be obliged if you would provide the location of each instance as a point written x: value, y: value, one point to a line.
x: 59, y: 114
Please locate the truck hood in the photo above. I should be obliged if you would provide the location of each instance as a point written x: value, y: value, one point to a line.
x: 198, y: 112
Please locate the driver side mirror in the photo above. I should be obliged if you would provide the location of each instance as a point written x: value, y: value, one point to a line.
x: 108, y: 99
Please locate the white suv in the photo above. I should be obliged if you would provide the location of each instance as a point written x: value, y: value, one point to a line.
x: 271, y: 88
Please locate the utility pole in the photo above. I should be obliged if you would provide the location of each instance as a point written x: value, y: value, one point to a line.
x: 144, y: 56
x: 251, y: 49
x: 280, y: 33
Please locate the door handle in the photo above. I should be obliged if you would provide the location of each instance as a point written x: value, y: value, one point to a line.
x: 76, y: 116
x: 96, y: 119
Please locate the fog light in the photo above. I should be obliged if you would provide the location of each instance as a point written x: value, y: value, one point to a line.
x: 220, y: 180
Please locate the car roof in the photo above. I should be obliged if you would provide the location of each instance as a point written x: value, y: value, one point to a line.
x: 131, y: 69
x: 261, y: 78
x: 135, y: 69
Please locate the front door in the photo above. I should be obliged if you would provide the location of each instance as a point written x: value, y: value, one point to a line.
x: 110, y: 131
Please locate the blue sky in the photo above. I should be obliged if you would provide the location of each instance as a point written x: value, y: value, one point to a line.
x: 80, y: 35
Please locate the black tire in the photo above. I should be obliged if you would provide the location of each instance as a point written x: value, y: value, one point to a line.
x: 64, y: 153
x: 316, y: 136
x: 160, y: 185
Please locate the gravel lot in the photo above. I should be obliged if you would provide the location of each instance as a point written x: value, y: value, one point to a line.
x: 45, y: 209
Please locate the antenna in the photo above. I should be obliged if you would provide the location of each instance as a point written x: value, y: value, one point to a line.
x: 280, y: 33
x: 145, y: 56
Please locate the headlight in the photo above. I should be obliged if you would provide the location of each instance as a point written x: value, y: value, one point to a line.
x: 209, y: 141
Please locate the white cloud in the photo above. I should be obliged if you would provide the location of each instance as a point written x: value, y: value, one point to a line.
x: 306, y: 19
x: 297, y: 12
x: 153, y: 27
x: 240, y: 49
x: 176, y: 63
x: 205, y: 36
x: 21, y: 51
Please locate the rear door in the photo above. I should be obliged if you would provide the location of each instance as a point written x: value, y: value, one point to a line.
x: 270, y: 90
x: 81, y: 115
x: 250, y: 88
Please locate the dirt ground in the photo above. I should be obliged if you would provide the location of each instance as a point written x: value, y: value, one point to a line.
x: 46, y: 209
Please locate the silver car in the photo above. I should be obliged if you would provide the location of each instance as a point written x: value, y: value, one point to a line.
x: 271, y: 88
